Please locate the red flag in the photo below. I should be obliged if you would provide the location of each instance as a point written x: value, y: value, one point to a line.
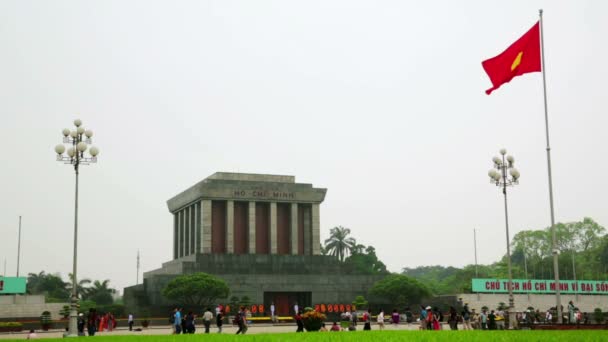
x: 520, y: 58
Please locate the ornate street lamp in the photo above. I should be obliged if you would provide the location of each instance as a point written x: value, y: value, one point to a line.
x: 503, y: 175
x: 79, y: 139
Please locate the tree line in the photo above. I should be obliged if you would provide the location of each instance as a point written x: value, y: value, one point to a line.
x: 56, y: 290
x: 583, y: 254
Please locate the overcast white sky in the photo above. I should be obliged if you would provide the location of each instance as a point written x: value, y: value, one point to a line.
x: 381, y: 102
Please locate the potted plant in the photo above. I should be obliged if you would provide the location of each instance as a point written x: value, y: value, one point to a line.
x: 598, y: 316
x: 46, y: 321
x: 312, y: 320
x: 145, y: 321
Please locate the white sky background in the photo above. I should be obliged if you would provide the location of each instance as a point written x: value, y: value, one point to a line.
x: 382, y: 102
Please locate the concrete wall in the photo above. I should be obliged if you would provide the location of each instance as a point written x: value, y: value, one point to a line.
x: 27, y: 307
x: 586, y: 303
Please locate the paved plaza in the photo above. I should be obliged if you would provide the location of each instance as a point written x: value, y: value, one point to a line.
x: 228, y: 329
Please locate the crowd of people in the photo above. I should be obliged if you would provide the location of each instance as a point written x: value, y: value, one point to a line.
x: 186, y: 324
x: 432, y: 318
x: 427, y: 318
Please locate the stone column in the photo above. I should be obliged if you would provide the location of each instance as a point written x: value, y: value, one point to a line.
x: 251, y: 226
x: 293, y: 228
x: 273, y: 228
x: 206, y: 231
x: 316, y: 230
x: 180, y: 243
x: 307, y: 230
x: 175, y: 235
x: 186, y: 231
x: 230, y: 226
x: 195, y: 229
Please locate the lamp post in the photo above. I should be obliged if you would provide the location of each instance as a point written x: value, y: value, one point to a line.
x: 79, y: 139
x: 502, y: 175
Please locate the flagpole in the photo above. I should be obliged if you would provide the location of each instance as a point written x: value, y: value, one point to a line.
x: 555, y: 251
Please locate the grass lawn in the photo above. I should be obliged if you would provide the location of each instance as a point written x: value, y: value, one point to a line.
x: 375, y: 336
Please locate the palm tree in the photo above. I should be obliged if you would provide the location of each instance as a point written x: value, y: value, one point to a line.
x: 81, y: 288
x: 100, y: 293
x: 34, y: 282
x: 339, y: 243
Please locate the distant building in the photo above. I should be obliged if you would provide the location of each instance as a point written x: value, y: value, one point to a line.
x: 261, y: 234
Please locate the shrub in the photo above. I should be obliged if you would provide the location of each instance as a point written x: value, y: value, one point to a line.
x: 598, y: 315
x: 360, y: 302
x: 312, y: 320
x: 65, y: 311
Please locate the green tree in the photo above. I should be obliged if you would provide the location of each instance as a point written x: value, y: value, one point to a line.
x: 399, y: 289
x: 588, y: 232
x: 339, y: 243
x: 363, y: 260
x: 198, y: 289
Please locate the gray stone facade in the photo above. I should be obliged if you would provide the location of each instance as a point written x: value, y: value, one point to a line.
x: 261, y: 234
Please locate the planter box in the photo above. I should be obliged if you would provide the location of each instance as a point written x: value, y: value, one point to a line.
x: 11, y: 329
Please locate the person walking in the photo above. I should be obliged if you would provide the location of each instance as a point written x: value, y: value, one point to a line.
x: 429, y: 318
x: 219, y: 321
x: 453, y: 319
x: 436, y: 319
x: 177, y: 321
x: 189, y: 325
x: 111, y: 322
x: 92, y: 322
x: 299, y: 322
x: 422, y: 318
x: 80, y: 325
x: 395, y: 319
x: 571, y: 318
x: 483, y: 319
x: 241, y: 321
x: 500, y: 319
x: 492, y: 321
x: 353, y: 317
x: 207, y: 318
x: 367, y: 317
x: 380, y: 319
x: 130, y: 322
x: 548, y: 317
x: 272, y: 316
x: 466, y: 317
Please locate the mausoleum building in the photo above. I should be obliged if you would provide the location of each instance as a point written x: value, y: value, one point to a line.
x: 261, y: 234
